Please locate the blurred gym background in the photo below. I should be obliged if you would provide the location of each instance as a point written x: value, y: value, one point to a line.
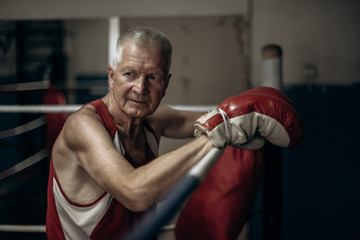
x: 217, y: 53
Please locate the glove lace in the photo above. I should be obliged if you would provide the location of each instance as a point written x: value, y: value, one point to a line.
x: 227, y: 126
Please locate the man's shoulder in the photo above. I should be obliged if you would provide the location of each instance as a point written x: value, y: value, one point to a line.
x: 86, y: 113
x: 80, y: 121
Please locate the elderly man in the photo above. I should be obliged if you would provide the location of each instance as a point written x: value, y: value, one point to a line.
x: 105, y: 171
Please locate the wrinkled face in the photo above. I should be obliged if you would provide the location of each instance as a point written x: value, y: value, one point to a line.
x: 139, y: 81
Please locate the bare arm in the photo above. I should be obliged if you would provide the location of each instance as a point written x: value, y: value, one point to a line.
x: 139, y: 188
x: 173, y: 123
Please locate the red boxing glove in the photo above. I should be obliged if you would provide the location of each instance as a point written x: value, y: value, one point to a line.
x: 246, y: 120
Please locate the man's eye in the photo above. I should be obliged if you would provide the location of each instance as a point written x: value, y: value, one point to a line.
x: 130, y: 75
x: 154, y: 76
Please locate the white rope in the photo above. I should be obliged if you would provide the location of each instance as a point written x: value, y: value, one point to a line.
x: 39, y: 108
x: 168, y: 228
x: 25, y: 86
x: 42, y: 228
x: 195, y: 108
x: 23, y: 228
x: 23, y: 128
x: 74, y: 108
x: 25, y: 163
x: 44, y: 85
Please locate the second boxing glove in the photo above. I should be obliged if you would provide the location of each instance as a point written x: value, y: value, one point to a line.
x: 246, y: 120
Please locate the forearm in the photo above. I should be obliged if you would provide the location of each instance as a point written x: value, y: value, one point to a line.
x: 173, y: 123
x: 187, y: 130
x: 155, y: 179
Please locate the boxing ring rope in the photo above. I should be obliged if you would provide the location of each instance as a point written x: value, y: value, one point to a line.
x: 27, y: 86
x: 179, y: 193
x: 151, y: 223
x: 42, y: 228
x: 44, y: 85
x: 23, y: 128
x: 23, y: 228
x: 39, y: 108
x: 43, y: 153
x: 73, y: 108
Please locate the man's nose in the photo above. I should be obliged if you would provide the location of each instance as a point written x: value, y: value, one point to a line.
x: 140, y: 85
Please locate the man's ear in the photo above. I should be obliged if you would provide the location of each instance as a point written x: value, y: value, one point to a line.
x: 111, y: 75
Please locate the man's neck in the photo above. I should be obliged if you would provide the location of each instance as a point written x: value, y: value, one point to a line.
x: 129, y: 127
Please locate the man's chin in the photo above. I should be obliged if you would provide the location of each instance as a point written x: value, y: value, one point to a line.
x: 139, y: 112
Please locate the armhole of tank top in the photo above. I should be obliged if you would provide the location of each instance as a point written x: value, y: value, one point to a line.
x: 105, y: 116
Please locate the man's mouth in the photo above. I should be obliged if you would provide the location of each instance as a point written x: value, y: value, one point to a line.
x: 138, y: 100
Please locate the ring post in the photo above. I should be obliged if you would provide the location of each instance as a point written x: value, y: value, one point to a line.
x: 151, y: 223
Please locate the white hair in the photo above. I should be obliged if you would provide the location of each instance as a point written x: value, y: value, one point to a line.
x: 144, y: 37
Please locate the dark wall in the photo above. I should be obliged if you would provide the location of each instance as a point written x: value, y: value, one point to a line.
x: 321, y: 198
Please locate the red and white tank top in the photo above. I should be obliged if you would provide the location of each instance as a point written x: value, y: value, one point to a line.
x: 105, y: 218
